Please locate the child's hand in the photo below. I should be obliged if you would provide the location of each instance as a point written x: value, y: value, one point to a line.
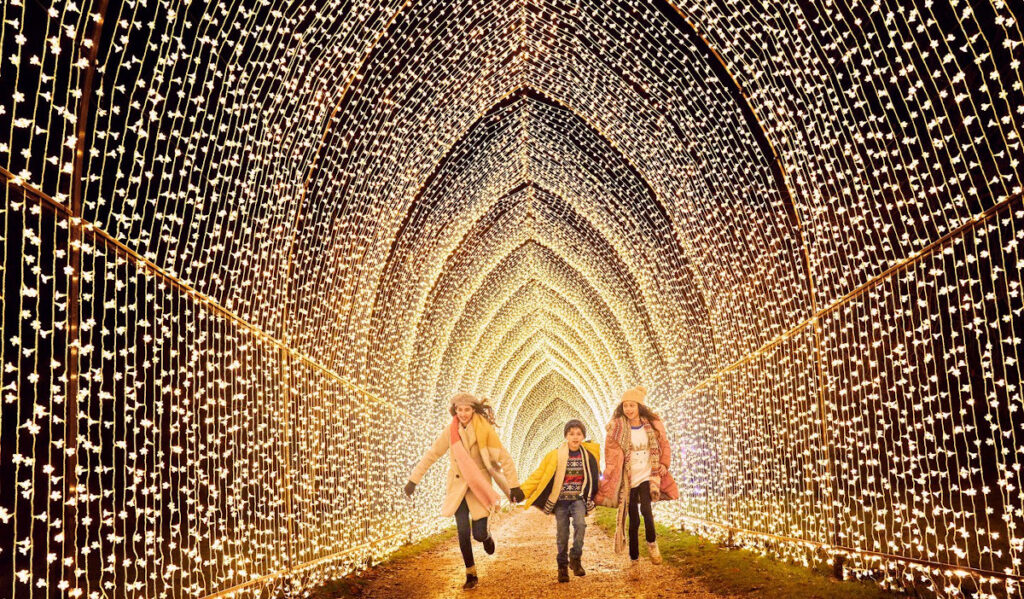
x: 516, y: 495
x: 662, y: 470
x: 409, y: 488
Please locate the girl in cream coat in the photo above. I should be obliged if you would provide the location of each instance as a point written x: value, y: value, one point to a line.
x: 478, y: 457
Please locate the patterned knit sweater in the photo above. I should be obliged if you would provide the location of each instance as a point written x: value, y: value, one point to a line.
x: 572, y: 484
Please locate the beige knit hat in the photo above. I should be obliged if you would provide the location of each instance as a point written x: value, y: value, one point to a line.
x: 636, y: 394
x: 463, y: 399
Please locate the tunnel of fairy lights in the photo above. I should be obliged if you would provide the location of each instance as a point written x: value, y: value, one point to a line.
x: 252, y: 247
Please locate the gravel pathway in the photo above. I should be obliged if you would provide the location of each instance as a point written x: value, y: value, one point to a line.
x: 524, y: 566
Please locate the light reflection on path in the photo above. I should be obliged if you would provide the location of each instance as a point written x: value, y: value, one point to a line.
x: 524, y: 566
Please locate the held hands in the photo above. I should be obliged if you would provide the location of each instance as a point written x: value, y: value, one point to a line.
x: 409, y: 488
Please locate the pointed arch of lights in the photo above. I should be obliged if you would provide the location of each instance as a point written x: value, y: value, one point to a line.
x: 251, y: 247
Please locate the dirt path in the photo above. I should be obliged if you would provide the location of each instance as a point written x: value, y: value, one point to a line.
x: 524, y: 566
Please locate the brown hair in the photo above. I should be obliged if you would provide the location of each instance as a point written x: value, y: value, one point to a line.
x: 644, y: 411
x: 574, y: 423
x: 480, y: 407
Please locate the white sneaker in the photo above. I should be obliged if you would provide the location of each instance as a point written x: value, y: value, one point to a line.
x: 655, y: 553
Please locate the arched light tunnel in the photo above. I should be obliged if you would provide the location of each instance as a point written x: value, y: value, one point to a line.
x: 252, y: 248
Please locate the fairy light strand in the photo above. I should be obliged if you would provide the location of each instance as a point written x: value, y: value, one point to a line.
x: 305, y: 224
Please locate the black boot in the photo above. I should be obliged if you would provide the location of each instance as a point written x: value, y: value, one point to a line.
x: 563, y: 573
x: 471, y: 581
x: 576, y: 566
x: 489, y: 545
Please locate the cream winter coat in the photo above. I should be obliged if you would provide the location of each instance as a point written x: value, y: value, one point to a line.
x: 457, y: 486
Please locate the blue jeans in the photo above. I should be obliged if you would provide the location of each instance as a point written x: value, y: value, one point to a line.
x: 564, y: 510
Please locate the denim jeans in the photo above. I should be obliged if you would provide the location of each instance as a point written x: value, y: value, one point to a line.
x: 577, y: 511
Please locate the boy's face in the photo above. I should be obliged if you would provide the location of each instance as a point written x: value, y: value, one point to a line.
x: 574, y: 437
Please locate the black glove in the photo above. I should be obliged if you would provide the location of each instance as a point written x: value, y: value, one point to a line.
x: 409, y: 488
x: 516, y: 495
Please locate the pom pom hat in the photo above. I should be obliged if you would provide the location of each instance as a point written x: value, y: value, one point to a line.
x: 637, y: 394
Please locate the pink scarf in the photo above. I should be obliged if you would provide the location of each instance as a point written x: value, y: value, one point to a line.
x: 479, y: 484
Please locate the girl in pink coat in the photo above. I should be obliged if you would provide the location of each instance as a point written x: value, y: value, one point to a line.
x: 637, y: 457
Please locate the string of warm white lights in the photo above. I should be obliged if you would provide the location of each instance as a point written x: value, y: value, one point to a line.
x: 251, y: 247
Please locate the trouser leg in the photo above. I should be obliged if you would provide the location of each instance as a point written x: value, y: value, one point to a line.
x: 634, y: 524
x: 562, y: 532
x: 648, y: 513
x: 480, y: 532
x: 462, y: 526
x: 579, y: 527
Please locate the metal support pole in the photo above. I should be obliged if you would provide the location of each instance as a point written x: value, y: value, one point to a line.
x: 75, y: 237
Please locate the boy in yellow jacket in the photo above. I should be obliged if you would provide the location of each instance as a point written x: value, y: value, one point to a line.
x: 565, y: 484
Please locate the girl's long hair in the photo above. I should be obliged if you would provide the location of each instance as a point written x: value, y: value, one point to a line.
x: 482, y: 407
x: 645, y: 412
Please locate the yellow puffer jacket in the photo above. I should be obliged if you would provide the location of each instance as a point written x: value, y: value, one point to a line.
x: 553, y: 466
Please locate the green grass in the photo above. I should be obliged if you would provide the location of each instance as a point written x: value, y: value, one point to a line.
x: 741, y: 572
x: 352, y: 585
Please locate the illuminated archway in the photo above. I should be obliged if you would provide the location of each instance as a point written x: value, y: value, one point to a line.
x: 247, y: 245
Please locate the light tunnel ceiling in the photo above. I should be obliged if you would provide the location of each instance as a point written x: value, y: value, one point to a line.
x: 544, y: 203
x: 361, y: 197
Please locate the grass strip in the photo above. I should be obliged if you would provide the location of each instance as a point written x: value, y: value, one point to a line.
x: 741, y: 572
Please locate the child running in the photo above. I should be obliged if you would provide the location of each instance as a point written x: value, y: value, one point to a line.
x: 565, y: 484
x: 637, y: 457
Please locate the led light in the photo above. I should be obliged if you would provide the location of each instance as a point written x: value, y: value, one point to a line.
x: 277, y: 236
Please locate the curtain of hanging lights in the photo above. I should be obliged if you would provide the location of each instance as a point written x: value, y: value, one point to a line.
x: 250, y: 247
